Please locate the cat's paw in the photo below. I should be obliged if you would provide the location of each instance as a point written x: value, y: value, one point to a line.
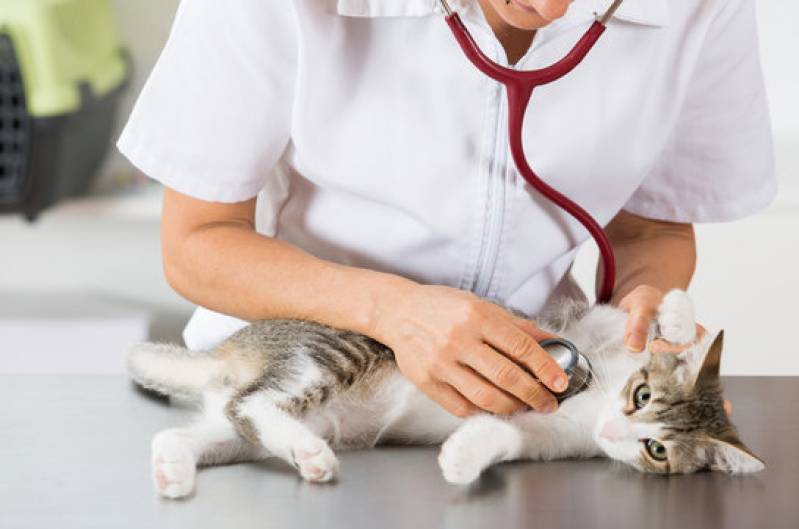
x: 460, y: 463
x: 676, y: 318
x: 174, y: 467
x: 316, y: 461
x: 477, y: 444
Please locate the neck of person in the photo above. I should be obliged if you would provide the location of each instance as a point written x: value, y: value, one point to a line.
x: 515, y: 41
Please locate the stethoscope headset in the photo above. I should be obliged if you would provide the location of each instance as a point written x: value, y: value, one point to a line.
x: 520, y: 86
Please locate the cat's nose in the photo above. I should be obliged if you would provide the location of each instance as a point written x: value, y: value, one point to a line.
x: 615, y: 430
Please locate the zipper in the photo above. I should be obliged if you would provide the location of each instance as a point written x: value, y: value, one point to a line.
x: 495, y: 205
x: 499, y: 175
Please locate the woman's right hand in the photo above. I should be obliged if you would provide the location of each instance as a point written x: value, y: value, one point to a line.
x: 465, y: 353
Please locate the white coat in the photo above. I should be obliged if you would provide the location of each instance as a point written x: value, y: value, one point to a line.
x: 373, y: 142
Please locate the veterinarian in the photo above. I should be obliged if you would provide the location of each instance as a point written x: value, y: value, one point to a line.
x: 341, y: 161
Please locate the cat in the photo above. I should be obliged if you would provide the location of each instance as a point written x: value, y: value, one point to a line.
x: 297, y: 390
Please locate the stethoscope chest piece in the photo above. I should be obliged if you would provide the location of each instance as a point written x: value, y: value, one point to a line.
x: 574, y: 363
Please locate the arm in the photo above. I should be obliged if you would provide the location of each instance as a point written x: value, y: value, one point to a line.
x: 652, y: 257
x: 446, y: 341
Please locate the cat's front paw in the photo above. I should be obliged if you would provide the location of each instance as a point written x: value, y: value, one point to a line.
x: 459, y: 462
x: 316, y: 461
x: 174, y: 467
x: 480, y: 442
x: 676, y: 318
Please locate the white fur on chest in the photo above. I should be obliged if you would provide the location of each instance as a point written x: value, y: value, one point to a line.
x: 386, y: 407
x: 398, y: 412
x: 600, y: 337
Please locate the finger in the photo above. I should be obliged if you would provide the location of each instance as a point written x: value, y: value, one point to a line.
x: 511, y: 378
x: 637, y: 329
x: 537, y: 333
x: 642, y: 296
x: 662, y: 346
x: 524, y: 349
x: 448, y: 398
x: 482, y: 393
x: 728, y: 407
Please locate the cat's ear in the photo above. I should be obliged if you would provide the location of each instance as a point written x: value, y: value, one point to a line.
x: 712, y: 362
x: 732, y: 457
x: 702, y: 362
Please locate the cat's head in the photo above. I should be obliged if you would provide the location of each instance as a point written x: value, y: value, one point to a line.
x: 670, y: 417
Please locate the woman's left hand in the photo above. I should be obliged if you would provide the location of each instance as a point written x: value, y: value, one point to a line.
x: 642, y: 304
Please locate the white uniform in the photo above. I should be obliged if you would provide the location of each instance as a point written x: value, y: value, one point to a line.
x: 375, y: 143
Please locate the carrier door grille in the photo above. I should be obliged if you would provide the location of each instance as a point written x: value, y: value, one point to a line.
x: 14, y: 125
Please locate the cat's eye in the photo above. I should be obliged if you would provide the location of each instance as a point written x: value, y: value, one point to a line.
x: 642, y: 396
x: 656, y: 450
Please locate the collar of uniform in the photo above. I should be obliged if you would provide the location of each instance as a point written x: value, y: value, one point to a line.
x: 401, y: 8
x: 645, y: 12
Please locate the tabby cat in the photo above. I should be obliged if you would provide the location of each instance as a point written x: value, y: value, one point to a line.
x: 297, y: 390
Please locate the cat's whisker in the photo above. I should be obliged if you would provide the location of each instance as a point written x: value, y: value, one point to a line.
x: 601, y: 374
x: 299, y: 390
x: 599, y: 364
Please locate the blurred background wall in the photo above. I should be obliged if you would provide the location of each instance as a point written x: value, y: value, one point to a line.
x: 746, y: 280
x: 107, y: 248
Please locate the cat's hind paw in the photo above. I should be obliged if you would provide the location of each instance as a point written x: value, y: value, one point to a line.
x: 316, y: 461
x: 174, y: 467
x: 676, y: 318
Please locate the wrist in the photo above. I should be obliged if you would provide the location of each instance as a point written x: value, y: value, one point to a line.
x: 388, y: 305
x: 374, y: 312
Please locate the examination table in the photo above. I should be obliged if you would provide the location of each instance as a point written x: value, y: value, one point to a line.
x: 75, y: 451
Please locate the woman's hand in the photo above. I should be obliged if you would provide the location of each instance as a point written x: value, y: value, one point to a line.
x: 652, y: 257
x: 642, y: 304
x: 465, y: 353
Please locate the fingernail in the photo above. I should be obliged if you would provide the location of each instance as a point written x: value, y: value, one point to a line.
x: 560, y: 384
x: 549, y: 407
x: 635, y: 342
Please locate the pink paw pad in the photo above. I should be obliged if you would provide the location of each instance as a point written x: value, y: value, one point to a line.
x: 320, y: 465
x: 160, y: 479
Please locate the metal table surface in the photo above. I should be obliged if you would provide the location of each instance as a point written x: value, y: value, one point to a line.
x: 74, y: 453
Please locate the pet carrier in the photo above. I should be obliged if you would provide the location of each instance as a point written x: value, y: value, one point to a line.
x: 62, y: 69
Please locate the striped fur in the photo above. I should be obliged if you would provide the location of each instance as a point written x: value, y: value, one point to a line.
x: 297, y: 390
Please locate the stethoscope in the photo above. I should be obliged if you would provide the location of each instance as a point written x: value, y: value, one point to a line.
x: 576, y: 365
x: 520, y: 85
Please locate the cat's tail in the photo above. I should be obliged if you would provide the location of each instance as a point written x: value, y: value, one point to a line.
x: 173, y: 370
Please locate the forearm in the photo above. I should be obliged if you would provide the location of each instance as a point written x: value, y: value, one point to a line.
x: 230, y: 268
x: 657, y: 254
x: 463, y: 352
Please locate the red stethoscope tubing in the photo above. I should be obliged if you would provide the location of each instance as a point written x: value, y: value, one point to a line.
x: 520, y: 86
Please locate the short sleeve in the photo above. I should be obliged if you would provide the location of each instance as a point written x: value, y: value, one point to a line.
x: 214, y: 116
x: 718, y: 163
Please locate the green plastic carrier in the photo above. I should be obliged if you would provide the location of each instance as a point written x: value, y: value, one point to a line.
x: 62, y: 69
